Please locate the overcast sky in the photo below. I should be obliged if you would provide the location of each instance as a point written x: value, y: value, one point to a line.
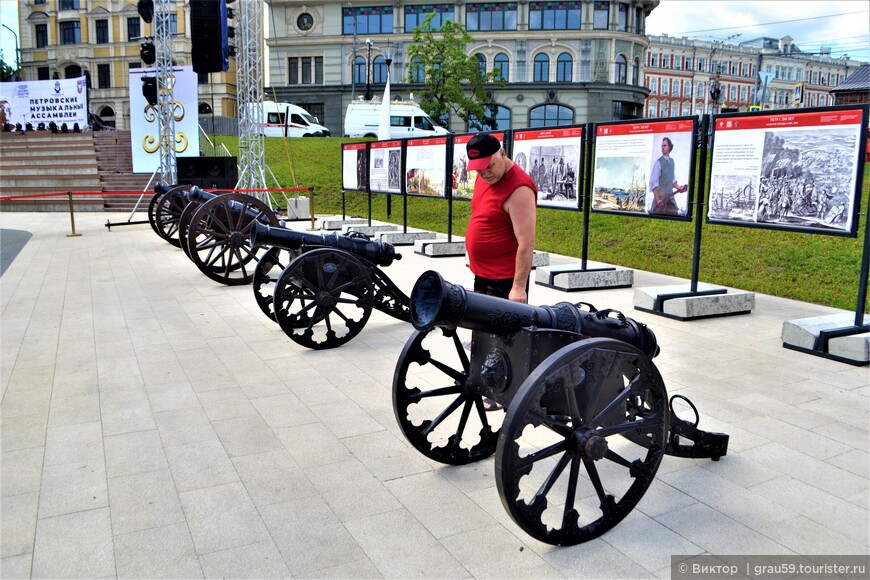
x: 842, y: 25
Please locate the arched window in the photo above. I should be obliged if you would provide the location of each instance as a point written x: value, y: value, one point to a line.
x: 204, y: 109
x: 415, y: 71
x: 550, y: 116
x: 379, y: 71
x: 501, y: 63
x: 497, y: 114
x: 106, y: 112
x: 542, y: 69
x: 621, y: 70
x: 481, y: 62
x: 73, y: 71
x: 359, y: 70
x: 564, y: 68
x: 635, y: 72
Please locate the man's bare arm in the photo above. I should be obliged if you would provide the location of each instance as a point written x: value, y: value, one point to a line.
x: 521, y: 206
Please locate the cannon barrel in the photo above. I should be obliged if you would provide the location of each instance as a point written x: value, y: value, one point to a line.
x: 436, y: 302
x: 378, y: 253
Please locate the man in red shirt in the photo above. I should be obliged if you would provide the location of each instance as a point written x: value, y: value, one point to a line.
x: 500, y: 239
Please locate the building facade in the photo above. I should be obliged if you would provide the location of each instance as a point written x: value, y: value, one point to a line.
x: 680, y: 73
x: 564, y: 62
x: 101, y: 39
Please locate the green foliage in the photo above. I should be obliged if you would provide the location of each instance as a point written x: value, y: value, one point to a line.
x: 811, y: 268
x: 7, y: 73
x: 453, y: 80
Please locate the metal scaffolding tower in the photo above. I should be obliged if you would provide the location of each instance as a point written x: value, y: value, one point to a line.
x: 249, y: 77
x: 163, y: 9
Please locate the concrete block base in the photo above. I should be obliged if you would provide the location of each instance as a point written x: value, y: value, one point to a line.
x: 570, y: 277
x: 708, y: 302
x: 804, y: 334
x: 538, y: 259
x: 439, y: 248
x: 337, y: 224
x: 404, y: 238
x: 370, y: 231
x: 298, y: 208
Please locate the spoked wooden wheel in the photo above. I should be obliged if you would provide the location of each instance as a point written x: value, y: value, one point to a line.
x: 440, y: 415
x: 164, y: 212
x: 186, y: 217
x: 562, y: 473
x: 218, y: 237
x: 323, y: 298
x: 266, y: 274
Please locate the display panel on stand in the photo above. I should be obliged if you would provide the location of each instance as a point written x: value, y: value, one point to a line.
x: 463, y: 178
x: 645, y: 168
x: 788, y: 170
x: 385, y: 166
x: 354, y: 166
x: 553, y: 159
x: 425, y: 166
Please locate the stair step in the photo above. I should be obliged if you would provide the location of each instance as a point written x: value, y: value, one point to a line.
x: 26, y: 170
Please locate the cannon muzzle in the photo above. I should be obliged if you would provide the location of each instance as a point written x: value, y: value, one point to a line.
x: 379, y: 253
x: 436, y: 302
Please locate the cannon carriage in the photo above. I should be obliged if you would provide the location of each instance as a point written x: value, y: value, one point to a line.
x: 585, y: 418
x: 324, y: 294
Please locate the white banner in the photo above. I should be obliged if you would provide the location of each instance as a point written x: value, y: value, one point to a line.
x: 35, y: 102
x: 144, y: 125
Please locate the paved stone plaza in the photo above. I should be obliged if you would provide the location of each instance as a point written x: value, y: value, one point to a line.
x: 156, y: 424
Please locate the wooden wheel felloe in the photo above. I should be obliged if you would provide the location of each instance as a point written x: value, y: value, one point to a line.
x: 164, y: 212
x: 266, y: 274
x: 433, y: 402
x: 218, y: 237
x: 323, y: 298
x: 582, y: 441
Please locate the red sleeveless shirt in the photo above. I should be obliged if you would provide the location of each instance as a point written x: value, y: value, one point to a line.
x: 490, y: 241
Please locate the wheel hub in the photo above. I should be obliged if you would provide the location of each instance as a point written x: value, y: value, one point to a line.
x: 325, y: 299
x: 590, y: 444
x: 237, y: 239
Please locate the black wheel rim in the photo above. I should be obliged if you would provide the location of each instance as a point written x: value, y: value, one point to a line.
x: 167, y: 212
x: 218, y: 237
x: 582, y: 441
x: 323, y: 298
x: 266, y: 274
x: 434, y: 404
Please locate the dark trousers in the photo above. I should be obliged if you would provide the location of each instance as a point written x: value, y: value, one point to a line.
x: 500, y: 288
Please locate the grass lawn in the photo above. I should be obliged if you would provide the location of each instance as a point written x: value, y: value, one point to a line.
x: 811, y: 268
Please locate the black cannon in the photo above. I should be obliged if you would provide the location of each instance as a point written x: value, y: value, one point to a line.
x: 587, y: 418
x: 323, y: 292
x: 212, y: 228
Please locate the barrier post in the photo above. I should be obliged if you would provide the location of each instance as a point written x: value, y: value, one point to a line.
x: 72, y: 217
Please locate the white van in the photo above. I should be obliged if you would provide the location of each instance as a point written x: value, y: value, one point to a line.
x: 286, y: 120
x: 407, y: 119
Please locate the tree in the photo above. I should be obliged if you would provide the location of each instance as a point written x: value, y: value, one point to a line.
x: 453, y: 80
x: 7, y: 73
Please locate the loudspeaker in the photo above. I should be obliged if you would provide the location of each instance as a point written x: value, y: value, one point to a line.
x: 208, y: 172
x: 208, y: 36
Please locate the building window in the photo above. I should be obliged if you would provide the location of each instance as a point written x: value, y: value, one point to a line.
x: 554, y: 15
x: 654, y: 86
x: 585, y: 62
x: 359, y: 71
x: 542, y: 69
x: 102, y: 27
x: 495, y: 118
x: 701, y: 64
x: 654, y: 61
x: 743, y: 94
x: 635, y: 72
x: 501, y: 63
x: 70, y: 32
x: 564, y: 68
x: 132, y: 65
x: 621, y: 70
x: 69, y: 4
x: 133, y: 31
x: 687, y: 89
x: 104, y: 76
x: 202, y: 78
x: 415, y: 15
x: 599, y: 15
x: 481, y: 62
x: 173, y: 24
x: 367, y: 20
x: 666, y: 61
x: 652, y: 110
x: 73, y: 71
x: 379, y: 71
x: 550, y: 116
x: 306, y: 70
x: 491, y: 16
x: 666, y: 87
x: 41, y: 33
x: 42, y: 73
x: 623, y: 17
x: 638, y: 21
x: 626, y: 110
x: 688, y: 63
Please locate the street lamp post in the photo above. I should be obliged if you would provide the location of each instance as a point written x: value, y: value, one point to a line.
x: 17, y: 54
x: 369, y: 43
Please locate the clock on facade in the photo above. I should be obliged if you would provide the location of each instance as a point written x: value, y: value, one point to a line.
x: 305, y: 21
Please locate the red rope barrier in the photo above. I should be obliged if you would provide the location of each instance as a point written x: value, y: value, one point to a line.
x: 94, y: 193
